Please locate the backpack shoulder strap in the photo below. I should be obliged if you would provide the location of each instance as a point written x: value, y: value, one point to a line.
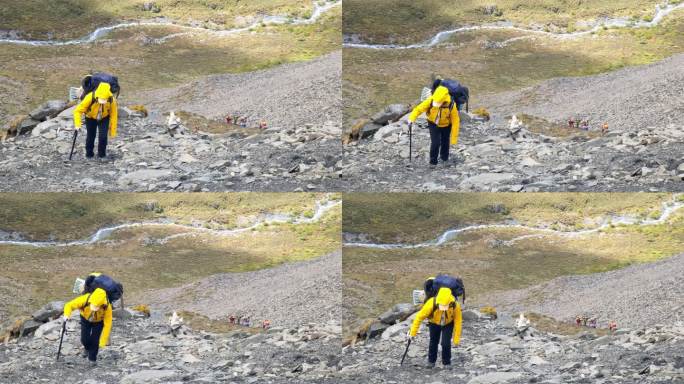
x: 434, y: 306
x: 87, y: 300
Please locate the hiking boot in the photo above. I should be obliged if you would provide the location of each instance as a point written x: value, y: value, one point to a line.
x: 84, y: 354
x: 429, y: 365
x: 432, y: 166
x: 92, y: 363
x: 448, y: 367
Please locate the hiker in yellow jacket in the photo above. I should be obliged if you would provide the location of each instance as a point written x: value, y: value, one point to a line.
x: 96, y: 321
x: 444, y: 320
x: 100, y: 110
x: 443, y: 122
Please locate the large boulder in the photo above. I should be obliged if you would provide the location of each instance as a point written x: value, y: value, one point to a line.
x: 392, y: 113
x: 398, y: 313
x: 49, y: 311
x: 28, y: 327
x: 369, y: 130
x: 46, y: 126
x: 376, y: 329
x: 49, y: 331
x: 48, y: 109
x: 26, y: 126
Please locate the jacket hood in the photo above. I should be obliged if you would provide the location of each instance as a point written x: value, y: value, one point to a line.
x: 441, y: 95
x: 98, y: 297
x: 103, y: 91
x: 444, y: 297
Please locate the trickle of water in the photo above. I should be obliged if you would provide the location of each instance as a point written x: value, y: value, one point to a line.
x: 319, y: 10
x: 659, y: 15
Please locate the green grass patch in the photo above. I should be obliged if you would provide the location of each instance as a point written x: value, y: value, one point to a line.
x: 375, y: 279
x: 47, y: 72
x: 373, y: 79
x: 412, y: 217
x: 411, y: 21
x: 76, y: 18
x: 141, y: 263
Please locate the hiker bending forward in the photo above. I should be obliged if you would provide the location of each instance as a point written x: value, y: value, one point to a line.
x: 444, y: 320
x: 100, y: 110
x: 96, y: 321
x: 443, y: 122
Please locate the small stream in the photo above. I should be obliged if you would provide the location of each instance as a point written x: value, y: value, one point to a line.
x: 661, y: 11
x: 667, y: 210
x: 318, y: 11
x: 321, y: 208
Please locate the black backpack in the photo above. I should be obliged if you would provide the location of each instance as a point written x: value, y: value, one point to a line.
x: 113, y: 288
x: 459, y: 93
x: 455, y: 284
x: 91, y: 82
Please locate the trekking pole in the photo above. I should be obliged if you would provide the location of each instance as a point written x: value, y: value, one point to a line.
x: 410, y: 142
x: 405, y: 352
x: 61, y: 338
x: 73, y: 144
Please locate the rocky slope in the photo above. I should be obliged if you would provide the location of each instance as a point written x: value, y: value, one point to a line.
x: 298, y: 151
x: 287, y: 295
x: 641, y: 152
x: 656, y: 289
x: 146, y: 350
x: 288, y: 96
x: 500, y: 352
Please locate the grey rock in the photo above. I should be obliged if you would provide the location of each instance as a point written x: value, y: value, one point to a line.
x: 49, y: 311
x: 391, y: 113
x: 48, y: 110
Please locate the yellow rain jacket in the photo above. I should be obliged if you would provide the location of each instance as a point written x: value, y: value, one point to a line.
x: 90, y: 107
x: 98, y: 298
x: 453, y: 314
x: 443, y: 116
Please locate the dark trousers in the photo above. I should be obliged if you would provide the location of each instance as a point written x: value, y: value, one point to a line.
x: 446, y: 332
x: 439, y: 142
x: 101, y: 128
x: 90, y: 337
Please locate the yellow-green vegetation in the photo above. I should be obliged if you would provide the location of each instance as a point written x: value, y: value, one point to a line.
x: 557, y: 129
x: 47, y: 72
x: 69, y: 216
x: 135, y: 256
x: 411, y: 21
x: 549, y: 324
x: 199, y: 321
x: 418, y: 217
x: 375, y: 279
x: 75, y: 18
x: 375, y: 78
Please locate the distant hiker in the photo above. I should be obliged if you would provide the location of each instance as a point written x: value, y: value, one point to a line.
x: 231, y: 319
x: 101, y: 110
x: 229, y: 119
x: 443, y: 122
x: 266, y: 324
x: 263, y: 124
x: 444, y: 321
x: 242, y: 122
x: 585, y: 125
x: 584, y: 320
x: 96, y: 321
x: 578, y: 320
x: 612, y: 326
x: 592, y: 322
x: 604, y: 128
x: 571, y: 123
